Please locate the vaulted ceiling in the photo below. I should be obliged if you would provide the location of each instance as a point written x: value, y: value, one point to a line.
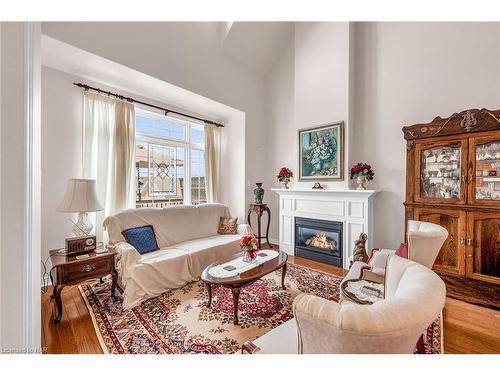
x: 253, y: 45
x: 256, y: 44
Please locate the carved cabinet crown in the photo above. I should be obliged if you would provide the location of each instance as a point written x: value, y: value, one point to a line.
x: 470, y: 120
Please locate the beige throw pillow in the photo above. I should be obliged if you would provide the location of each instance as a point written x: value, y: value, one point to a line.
x: 228, y: 225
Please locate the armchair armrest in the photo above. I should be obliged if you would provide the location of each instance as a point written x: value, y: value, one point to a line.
x: 360, y: 270
x: 316, y: 308
x: 378, y: 260
x: 373, y: 275
x: 318, y: 320
x: 128, y: 254
x: 356, y: 271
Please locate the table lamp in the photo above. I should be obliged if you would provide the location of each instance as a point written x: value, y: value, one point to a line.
x: 80, y: 197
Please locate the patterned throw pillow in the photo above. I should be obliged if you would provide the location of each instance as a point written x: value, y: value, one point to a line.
x: 142, y: 238
x: 228, y: 225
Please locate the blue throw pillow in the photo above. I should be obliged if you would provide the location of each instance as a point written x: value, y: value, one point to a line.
x: 142, y: 238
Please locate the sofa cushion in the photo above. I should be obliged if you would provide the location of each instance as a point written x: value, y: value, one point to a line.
x: 209, y: 215
x: 205, y: 251
x: 143, y: 238
x: 163, y: 254
x: 172, y: 225
x: 208, y: 243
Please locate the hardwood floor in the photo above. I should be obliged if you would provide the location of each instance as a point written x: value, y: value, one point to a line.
x: 75, y: 333
x: 468, y: 328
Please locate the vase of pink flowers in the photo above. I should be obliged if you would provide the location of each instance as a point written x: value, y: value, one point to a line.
x: 248, y: 244
x: 284, y: 176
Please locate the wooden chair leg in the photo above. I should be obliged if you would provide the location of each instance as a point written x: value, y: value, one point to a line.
x: 441, y: 322
x: 420, y: 345
x: 249, y: 347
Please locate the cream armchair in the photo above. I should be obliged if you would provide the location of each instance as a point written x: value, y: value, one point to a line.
x: 414, y: 297
x: 424, y: 240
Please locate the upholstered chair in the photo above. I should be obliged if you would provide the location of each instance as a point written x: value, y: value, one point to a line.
x: 414, y: 297
x: 424, y: 240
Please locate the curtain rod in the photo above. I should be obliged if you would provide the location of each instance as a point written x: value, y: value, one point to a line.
x: 132, y: 100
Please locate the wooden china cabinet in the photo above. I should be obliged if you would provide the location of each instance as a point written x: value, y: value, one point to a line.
x: 453, y: 179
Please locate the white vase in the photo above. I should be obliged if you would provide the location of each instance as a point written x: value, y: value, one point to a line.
x: 361, y: 180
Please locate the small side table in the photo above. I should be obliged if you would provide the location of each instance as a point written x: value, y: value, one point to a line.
x: 69, y: 271
x: 259, y: 209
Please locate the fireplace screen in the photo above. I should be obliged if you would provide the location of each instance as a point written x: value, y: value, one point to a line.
x: 319, y: 240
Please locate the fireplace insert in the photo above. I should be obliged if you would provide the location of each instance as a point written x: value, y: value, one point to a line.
x: 319, y: 240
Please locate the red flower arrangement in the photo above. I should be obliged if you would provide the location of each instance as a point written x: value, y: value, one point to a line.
x: 284, y: 176
x: 249, y: 243
x: 362, y: 169
x: 284, y: 173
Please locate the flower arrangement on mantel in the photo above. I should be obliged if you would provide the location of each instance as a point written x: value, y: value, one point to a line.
x: 284, y: 176
x: 248, y: 243
x: 362, y: 172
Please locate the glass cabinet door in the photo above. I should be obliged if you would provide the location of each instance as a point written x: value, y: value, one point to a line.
x: 484, y: 174
x: 440, y: 169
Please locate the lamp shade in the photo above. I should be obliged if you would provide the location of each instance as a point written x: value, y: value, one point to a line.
x: 80, y: 196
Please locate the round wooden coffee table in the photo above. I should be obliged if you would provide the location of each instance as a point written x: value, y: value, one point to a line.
x: 235, y: 283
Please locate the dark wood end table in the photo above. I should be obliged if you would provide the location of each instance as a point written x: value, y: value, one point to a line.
x: 259, y: 209
x: 69, y: 271
x: 235, y: 283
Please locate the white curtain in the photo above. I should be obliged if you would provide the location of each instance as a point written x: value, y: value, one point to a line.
x: 212, y: 160
x: 109, y: 154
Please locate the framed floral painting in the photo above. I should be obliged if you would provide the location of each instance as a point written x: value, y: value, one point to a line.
x: 321, y: 151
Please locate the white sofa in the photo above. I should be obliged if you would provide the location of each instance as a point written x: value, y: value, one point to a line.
x: 414, y: 297
x: 188, y: 241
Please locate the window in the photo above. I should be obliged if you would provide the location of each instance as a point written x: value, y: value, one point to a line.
x: 170, y: 161
x: 198, y: 176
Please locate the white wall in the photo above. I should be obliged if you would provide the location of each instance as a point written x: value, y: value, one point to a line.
x: 308, y: 86
x: 62, y: 151
x: 377, y: 77
x: 408, y: 73
x: 322, y: 82
x: 185, y: 54
x: 280, y: 133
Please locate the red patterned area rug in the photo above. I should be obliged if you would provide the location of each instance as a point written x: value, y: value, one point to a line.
x: 179, y: 321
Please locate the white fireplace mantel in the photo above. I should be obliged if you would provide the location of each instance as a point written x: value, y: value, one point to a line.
x: 354, y: 208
